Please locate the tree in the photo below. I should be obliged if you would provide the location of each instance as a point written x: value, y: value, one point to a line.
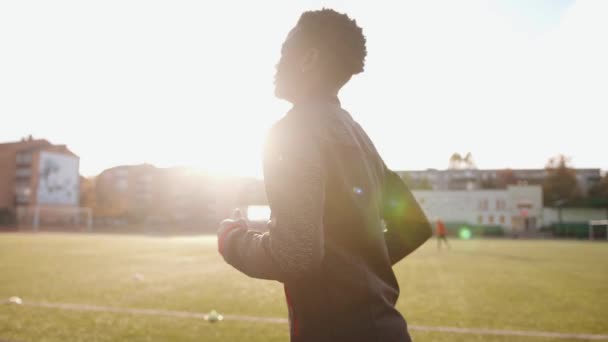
x: 458, y: 162
x: 468, y: 161
x: 455, y: 161
x: 560, y: 185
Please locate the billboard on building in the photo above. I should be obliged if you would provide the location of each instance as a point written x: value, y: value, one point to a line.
x: 58, y: 179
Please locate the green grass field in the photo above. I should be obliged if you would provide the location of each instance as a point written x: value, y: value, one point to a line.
x: 555, y: 286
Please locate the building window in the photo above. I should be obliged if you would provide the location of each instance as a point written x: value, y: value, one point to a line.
x: 480, y: 219
x: 21, y: 199
x: 24, y: 158
x: 491, y: 219
x: 483, y: 204
x: 501, y: 204
x: 23, y: 172
x: 502, y: 219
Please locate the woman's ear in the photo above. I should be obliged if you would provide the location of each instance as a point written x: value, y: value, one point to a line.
x: 310, y: 60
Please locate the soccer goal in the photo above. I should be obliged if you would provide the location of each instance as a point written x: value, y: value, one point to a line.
x: 597, y: 223
x: 55, y: 218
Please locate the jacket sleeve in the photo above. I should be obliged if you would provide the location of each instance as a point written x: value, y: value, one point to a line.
x: 407, y: 228
x: 295, y: 187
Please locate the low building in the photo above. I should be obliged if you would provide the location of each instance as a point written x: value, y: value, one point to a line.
x: 515, y: 209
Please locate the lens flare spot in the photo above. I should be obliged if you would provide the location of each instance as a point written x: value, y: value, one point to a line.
x: 258, y: 213
x: 464, y: 233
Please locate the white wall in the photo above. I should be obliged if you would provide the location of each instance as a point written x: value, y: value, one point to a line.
x: 485, y: 207
x: 463, y: 206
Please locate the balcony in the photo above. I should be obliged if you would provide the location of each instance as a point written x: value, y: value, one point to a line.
x: 23, y: 172
x: 23, y: 159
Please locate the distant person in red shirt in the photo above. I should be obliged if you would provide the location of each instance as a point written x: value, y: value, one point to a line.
x: 441, y: 234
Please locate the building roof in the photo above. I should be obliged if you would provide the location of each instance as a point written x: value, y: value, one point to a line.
x: 127, y: 167
x: 25, y: 144
x: 30, y: 144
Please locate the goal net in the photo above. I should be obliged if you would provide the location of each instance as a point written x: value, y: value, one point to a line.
x: 598, y: 225
x: 50, y: 218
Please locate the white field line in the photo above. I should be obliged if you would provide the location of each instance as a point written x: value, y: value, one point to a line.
x: 190, y: 314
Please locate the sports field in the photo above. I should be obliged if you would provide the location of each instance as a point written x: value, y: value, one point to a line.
x: 534, y: 287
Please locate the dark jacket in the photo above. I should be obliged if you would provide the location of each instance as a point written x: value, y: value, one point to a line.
x: 340, y: 220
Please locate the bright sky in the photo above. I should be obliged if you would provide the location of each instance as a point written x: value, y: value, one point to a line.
x: 190, y: 82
